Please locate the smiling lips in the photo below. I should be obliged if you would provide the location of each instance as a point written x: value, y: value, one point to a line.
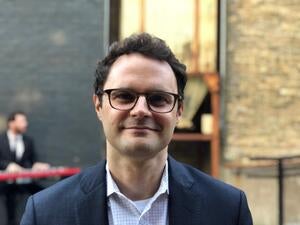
x: 140, y: 125
x: 140, y: 128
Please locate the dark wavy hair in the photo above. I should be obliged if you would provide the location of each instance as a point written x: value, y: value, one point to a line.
x: 12, y: 115
x: 146, y: 45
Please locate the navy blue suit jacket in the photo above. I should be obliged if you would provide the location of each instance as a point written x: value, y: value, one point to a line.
x: 195, y: 199
x: 6, y: 155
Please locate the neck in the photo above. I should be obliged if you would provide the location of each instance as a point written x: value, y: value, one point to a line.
x: 137, y: 179
x: 13, y: 132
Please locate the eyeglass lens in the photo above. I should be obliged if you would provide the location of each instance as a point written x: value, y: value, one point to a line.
x: 157, y: 101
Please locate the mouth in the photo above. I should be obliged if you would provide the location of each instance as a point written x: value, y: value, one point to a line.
x: 140, y: 125
x: 140, y: 128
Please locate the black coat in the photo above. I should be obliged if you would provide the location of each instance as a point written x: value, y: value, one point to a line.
x: 6, y: 155
x: 194, y: 199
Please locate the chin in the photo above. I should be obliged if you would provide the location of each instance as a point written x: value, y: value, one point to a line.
x: 142, y: 149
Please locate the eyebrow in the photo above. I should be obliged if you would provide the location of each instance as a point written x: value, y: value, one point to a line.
x: 146, y: 91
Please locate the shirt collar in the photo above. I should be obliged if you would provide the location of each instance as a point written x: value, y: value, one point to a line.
x: 12, y: 137
x: 112, y: 187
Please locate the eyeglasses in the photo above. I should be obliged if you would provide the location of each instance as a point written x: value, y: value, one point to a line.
x: 126, y: 99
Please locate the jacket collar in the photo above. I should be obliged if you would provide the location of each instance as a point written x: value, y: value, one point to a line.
x: 186, y: 201
x: 5, y: 141
x: 92, y: 206
x: 185, y: 206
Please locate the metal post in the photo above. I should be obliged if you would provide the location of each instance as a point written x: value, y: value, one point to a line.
x: 280, y: 192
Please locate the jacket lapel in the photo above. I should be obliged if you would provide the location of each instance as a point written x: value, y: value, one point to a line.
x: 186, y: 205
x: 92, y: 206
x: 6, y: 146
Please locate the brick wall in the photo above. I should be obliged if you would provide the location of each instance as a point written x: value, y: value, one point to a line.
x: 263, y: 76
x: 262, y: 97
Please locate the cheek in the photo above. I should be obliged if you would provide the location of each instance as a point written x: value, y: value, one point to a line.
x: 111, y: 118
x: 167, y: 122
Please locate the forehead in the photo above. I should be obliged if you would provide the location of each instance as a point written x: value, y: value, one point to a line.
x: 140, y: 72
x: 20, y: 117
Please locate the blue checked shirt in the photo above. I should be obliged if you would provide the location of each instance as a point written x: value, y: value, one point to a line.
x: 123, y: 211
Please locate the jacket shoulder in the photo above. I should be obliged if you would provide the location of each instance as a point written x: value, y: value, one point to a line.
x: 3, y: 136
x: 71, y: 187
x: 200, y: 193
x: 199, y: 181
x: 60, y: 203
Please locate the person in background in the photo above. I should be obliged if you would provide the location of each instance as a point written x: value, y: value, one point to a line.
x: 17, y: 154
x: 138, y: 97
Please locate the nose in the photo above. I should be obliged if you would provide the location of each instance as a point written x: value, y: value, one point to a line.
x: 141, y: 108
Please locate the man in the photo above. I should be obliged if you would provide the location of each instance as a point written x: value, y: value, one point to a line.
x: 17, y: 154
x: 138, y: 98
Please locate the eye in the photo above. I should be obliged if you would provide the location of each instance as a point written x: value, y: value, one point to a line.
x: 160, y: 99
x: 123, y: 96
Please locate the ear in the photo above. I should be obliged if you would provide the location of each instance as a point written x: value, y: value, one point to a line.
x: 179, y: 110
x: 97, y: 105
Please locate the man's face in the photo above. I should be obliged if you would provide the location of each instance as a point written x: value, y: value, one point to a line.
x: 138, y: 132
x: 19, y: 124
